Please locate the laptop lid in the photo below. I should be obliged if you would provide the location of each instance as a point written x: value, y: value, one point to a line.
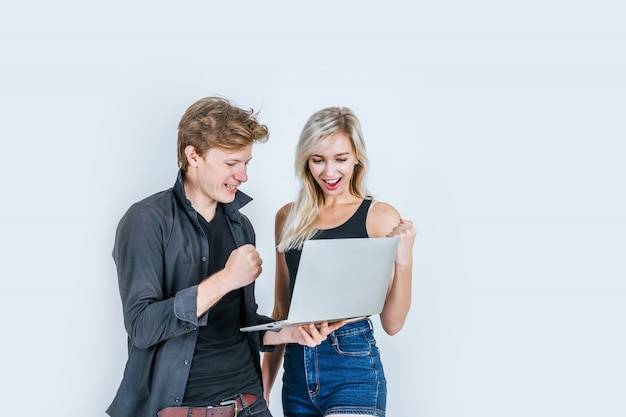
x: 339, y: 279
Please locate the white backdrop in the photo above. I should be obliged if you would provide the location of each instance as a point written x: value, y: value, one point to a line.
x: 498, y: 127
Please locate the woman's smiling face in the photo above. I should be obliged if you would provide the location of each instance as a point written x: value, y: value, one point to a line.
x: 333, y: 166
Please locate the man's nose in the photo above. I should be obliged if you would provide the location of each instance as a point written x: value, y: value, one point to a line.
x: 242, y: 173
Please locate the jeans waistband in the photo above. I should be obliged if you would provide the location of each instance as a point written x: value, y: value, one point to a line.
x: 355, y: 327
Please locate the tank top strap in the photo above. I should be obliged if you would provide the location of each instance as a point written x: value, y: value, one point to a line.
x: 363, y: 209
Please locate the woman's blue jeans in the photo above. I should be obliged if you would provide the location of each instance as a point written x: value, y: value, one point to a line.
x: 343, y: 375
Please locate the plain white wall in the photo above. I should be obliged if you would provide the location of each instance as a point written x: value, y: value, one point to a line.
x: 498, y: 127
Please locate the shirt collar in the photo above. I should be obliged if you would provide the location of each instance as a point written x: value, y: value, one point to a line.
x: 230, y: 209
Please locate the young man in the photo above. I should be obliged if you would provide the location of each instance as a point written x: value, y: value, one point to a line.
x: 186, y: 266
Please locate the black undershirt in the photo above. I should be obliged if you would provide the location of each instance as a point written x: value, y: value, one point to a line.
x: 222, y: 364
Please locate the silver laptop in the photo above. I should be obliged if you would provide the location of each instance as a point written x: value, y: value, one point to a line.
x: 339, y: 279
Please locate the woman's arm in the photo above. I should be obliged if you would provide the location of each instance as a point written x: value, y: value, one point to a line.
x: 273, y: 360
x: 385, y: 221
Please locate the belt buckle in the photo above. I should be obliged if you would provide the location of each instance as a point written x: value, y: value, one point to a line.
x: 230, y: 402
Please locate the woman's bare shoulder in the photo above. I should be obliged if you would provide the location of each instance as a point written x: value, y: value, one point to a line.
x: 381, y: 219
x: 284, y: 211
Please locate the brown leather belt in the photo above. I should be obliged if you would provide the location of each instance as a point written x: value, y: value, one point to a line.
x: 228, y: 408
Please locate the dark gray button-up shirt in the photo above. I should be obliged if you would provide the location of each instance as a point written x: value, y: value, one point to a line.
x: 160, y: 254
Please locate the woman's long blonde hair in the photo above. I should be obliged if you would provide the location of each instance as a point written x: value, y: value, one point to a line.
x: 315, y: 136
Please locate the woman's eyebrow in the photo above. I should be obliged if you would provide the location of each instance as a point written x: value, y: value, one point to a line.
x: 336, y: 155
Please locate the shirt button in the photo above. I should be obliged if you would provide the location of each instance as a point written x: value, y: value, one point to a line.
x: 177, y: 399
x: 186, y: 361
x: 204, y: 259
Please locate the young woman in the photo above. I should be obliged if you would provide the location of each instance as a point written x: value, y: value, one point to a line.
x: 344, y: 374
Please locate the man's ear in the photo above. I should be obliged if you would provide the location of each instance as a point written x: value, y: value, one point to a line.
x: 192, y: 156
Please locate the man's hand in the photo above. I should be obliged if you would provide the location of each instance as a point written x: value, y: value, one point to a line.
x: 242, y: 267
x: 309, y: 335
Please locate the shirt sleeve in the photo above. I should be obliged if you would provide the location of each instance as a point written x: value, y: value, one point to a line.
x: 138, y: 252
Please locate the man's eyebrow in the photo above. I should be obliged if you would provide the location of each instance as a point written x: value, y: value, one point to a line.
x: 237, y: 160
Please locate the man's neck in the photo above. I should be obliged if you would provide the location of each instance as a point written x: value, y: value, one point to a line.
x: 201, y: 203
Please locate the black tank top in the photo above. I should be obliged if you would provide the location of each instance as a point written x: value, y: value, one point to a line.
x: 353, y: 227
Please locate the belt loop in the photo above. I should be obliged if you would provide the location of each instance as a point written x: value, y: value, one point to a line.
x: 333, y: 339
x: 369, y: 322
